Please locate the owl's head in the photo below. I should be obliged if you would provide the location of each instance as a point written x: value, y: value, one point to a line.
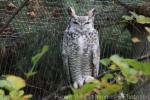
x: 82, y: 23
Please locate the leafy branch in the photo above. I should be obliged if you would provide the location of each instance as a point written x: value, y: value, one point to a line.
x: 13, y: 84
x: 127, y: 71
x: 35, y: 60
x: 140, y: 19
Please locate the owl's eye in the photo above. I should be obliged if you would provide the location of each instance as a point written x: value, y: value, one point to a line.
x: 75, y: 22
x: 87, y: 22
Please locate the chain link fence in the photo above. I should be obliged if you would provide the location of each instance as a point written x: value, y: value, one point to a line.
x: 26, y: 27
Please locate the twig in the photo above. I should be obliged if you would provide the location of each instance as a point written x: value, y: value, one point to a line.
x: 32, y: 86
x: 13, y: 16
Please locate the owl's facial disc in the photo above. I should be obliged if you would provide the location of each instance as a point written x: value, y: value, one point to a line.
x: 82, y: 23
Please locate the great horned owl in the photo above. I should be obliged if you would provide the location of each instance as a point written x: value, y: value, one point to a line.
x: 81, y: 50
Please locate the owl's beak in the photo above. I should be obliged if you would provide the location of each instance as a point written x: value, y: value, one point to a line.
x: 81, y: 27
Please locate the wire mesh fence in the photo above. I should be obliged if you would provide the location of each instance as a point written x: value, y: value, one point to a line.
x: 42, y: 22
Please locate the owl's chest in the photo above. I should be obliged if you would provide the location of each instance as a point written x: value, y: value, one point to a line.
x: 82, y: 41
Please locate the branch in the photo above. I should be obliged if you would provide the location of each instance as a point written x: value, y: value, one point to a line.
x: 13, y: 16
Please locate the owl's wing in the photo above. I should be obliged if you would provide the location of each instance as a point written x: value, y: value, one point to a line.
x: 65, y: 57
x: 96, y: 55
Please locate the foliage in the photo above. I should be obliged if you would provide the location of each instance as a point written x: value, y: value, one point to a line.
x: 140, y: 19
x: 126, y: 71
x: 35, y: 60
x: 13, y: 84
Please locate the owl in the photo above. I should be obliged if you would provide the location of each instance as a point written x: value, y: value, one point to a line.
x: 81, y: 49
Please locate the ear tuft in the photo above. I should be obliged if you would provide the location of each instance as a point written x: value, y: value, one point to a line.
x: 71, y: 12
x: 91, y: 12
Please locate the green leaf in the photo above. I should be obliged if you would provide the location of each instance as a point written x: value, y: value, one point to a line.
x: 143, y: 20
x: 134, y: 63
x: 134, y: 14
x: 140, y: 66
x: 5, y: 84
x: 38, y: 56
x: 127, y: 18
x: 115, y: 58
x: 35, y: 60
x: 14, y: 95
x: 109, y: 90
x: 112, y: 88
x: 140, y: 18
x: 30, y: 74
x: 4, y: 98
x: 107, y: 76
x: 113, y: 67
x: 88, y: 87
x: 146, y: 67
x: 20, y: 93
x: 15, y: 82
x: 2, y: 93
x: 79, y: 94
x: 129, y: 73
x: 105, y: 61
x: 26, y: 97
x: 45, y: 48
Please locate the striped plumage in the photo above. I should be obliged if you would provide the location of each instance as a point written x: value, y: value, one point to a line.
x: 81, y: 49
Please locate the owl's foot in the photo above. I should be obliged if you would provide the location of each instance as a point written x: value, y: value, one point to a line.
x: 88, y: 79
x: 78, y: 83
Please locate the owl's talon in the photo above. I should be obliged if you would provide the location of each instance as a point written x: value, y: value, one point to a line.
x: 78, y: 84
x: 88, y: 79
